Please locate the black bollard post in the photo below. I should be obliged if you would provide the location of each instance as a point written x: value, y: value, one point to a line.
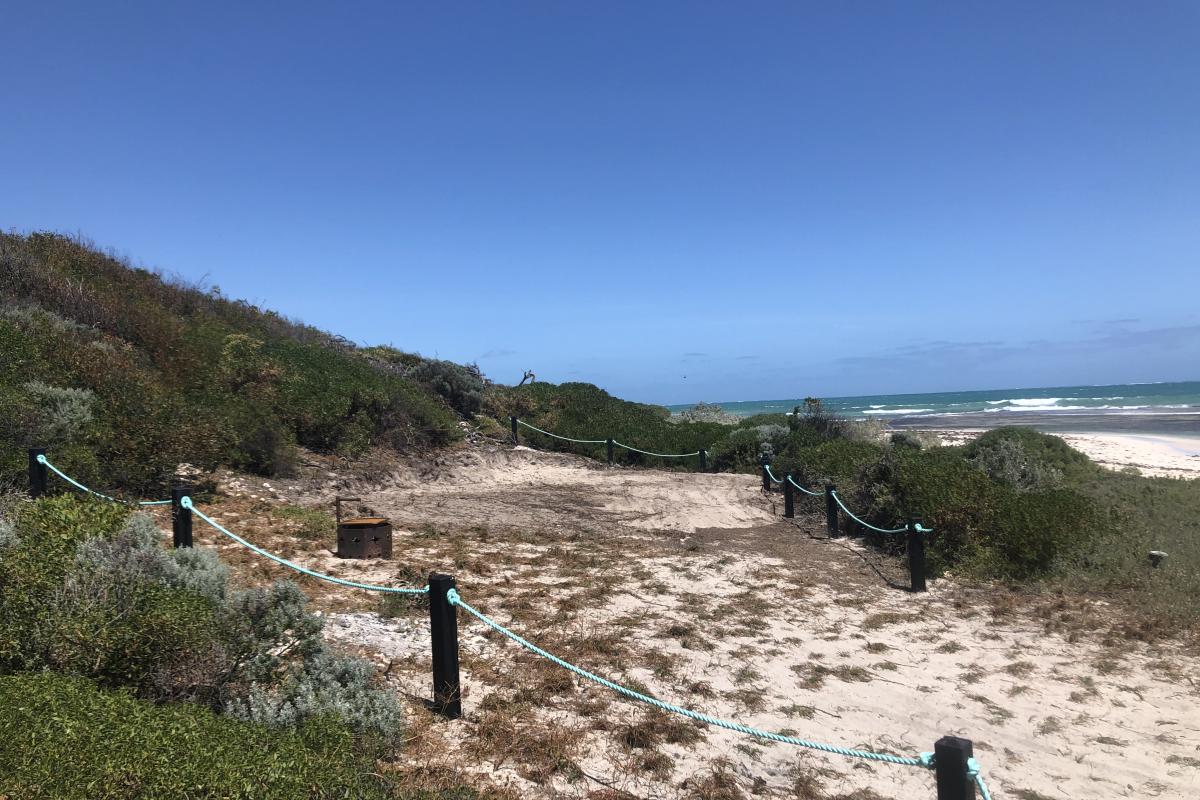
x: 513, y: 422
x: 181, y: 518
x: 703, y: 460
x: 789, y: 497
x: 443, y: 628
x: 831, y: 515
x: 37, y: 472
x: 610, y: 451
x: 766, y: 480
x: 954, y: 782
x: 916, y: 556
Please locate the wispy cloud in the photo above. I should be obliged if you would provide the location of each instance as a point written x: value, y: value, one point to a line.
x: 945, y: 354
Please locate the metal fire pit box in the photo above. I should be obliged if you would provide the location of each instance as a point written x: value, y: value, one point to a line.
x: 364, y: 537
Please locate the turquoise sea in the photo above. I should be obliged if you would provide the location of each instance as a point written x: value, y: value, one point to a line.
x: 1149, y: 406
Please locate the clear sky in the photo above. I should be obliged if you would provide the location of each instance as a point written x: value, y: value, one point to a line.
x: 676, y: 201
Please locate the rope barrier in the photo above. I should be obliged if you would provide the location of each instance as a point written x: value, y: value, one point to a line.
x: 864, y: 523
x: 808, y: 492
x: 564, y: 438
x: 925, y: 760
x: 186, y: 502
x: 974, y: 771
x: 41, y: 459
x: 656, y: 455
x: 770, y: 474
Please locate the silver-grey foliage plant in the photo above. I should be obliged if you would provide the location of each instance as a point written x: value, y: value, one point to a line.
x: 274, y: 665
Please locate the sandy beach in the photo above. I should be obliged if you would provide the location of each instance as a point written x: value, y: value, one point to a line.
x: 1151, y: 454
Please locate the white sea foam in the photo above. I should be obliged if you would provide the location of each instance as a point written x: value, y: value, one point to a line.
x: 1027, y: 402
x: 874, y: 410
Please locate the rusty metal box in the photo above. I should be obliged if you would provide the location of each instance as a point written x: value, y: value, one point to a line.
x: 364, y: 537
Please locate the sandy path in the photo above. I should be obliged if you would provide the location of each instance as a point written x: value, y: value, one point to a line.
x: 689, y: 586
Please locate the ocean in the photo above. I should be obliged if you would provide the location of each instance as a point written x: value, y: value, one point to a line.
x: 1130, y: 407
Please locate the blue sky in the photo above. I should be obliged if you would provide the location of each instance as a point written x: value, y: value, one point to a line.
x: 676, y: 201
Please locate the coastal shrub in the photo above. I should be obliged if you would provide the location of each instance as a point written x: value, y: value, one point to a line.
x: 323, y: 684
x: 74, y: 600
x: 286, y: 675
x: 66, y: 738
x: 88, y: 590
x: 737, y: 452
x: 460, y: 385
x: 839, y: 461
x: 8, y: 534
x: 1027, y: 459
x: 57, y: 415
x: 917, y: 440
x: 1032, y: 532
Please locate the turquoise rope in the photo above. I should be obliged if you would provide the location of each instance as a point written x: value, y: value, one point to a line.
x: 186, y: 502
x: 41, y: 459
x: 770, y: 474
x: 656, y: 455
x: 564, y: 438
x: 864, y: 523
x: 801, y: 488
x: 974, y: 772
x: 453, y: 598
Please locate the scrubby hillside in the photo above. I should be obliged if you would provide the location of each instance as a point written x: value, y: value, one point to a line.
x: 111, y: 365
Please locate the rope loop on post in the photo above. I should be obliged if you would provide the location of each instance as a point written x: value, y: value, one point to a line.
x: 771, y: 475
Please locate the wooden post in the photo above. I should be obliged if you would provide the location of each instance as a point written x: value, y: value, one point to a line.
x: 703, y: 460
x: 916, y: 555
x: 37, y: 472
x: 831, y: 511
x: 789, y: 497
x: 950, y: 755
x: 513, y: 421
x: 609, y: 442
x: 443, y: 628
x: 181, y: 518
x: 766, y: 480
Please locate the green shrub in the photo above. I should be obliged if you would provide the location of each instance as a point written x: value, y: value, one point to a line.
x: 322, y: 685
x: 460, y: 386
x: 1033, y: 532
x: 88, y: 590
x: 1027, y: 459
x: 736, y: 452
x: 64, y: 738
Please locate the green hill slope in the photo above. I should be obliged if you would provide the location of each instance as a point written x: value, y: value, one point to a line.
x: 111, y: 365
